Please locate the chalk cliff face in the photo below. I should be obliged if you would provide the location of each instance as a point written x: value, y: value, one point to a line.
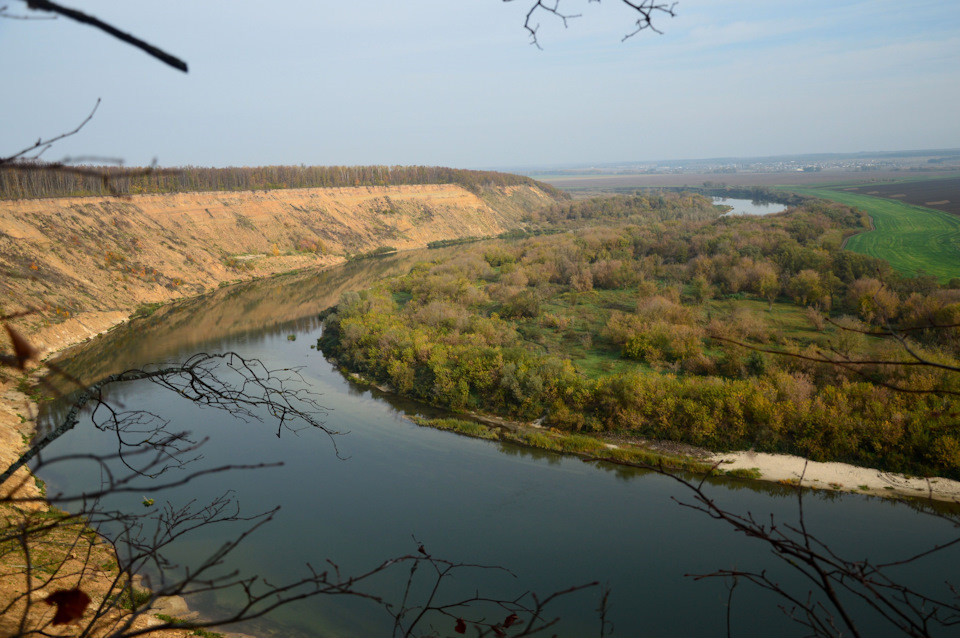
x: 85, y: 263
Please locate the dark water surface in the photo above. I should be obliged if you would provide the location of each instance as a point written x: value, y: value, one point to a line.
x: 552, y: 521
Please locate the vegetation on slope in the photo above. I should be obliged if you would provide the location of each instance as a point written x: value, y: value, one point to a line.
x: 631, y: 329
x: 30, y: 182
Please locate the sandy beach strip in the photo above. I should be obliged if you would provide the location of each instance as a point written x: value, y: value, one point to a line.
x: 838, y: 476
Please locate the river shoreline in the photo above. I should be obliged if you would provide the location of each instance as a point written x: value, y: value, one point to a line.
x: 784, y: 469
x: 841, y: 477
x: 18, y: 413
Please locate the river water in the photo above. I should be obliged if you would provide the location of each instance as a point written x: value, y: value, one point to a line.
x: 749, y: 207
x: 553, y: 521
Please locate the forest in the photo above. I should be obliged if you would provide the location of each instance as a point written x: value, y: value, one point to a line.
x: 27, y: 180
x: 653, y: 316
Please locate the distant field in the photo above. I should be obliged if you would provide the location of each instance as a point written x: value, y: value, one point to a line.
x: 941, y: 194
x: 605, y: 181
x: 909, y: 233
x: 912, y: 238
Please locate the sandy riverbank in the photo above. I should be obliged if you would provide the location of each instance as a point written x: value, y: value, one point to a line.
x: 838, y: 476
x: 783, y: 468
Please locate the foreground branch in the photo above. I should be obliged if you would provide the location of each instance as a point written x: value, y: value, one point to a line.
x: 648, y: 11
x: 835, y: 585
x: 244, y: 388
x: 97, y: 23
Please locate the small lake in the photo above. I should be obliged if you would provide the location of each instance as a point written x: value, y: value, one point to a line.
x: 553, y: 521
x: 749, y: 207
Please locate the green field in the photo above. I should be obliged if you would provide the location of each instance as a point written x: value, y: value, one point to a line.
x: 913, y: 239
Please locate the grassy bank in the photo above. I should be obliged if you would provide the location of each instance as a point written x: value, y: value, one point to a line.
x: 913, y: 239
x: 585, y: 447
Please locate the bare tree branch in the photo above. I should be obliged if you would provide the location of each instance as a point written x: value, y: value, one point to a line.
x: 839, y: 580
x: 5, y: 13
x: 648, y: 10
x: 856, y: 365
x: 142, y: 540
x: 83, y: 18
x: 225, y: 381
x: 41, y: 145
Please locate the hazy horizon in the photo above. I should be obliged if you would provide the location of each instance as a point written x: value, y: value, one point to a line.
x: 430, y: 82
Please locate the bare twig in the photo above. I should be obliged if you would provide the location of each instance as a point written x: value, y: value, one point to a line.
x: 5, y: 13
x: 856, y: 365
x: 97, y: 23
x: 648, y: 10
x: 142, y: 540
x: 250, y: 387
x: 41, y: 145
x: 837, y: 580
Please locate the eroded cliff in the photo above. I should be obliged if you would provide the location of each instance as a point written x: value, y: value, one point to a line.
x: 86, y: 263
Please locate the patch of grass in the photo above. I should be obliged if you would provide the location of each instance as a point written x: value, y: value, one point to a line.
x: 913, y: 239
x: 24, y: 385
x: 173, y: 620
x: 147, y: 309
x: 642, y: 457
x: 460, y: 426
x: 132, y: 598
x: 538, y: 440
x: 745, y: 473
x: 52, y: 513
x: 377, y: 252
x: 401, y: 298
x: 580, y: 444
x: 575, y: 330
x: 442, y: 243
x: 244, y: 222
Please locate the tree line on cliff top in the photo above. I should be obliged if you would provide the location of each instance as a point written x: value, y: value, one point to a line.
x: 33, y: 181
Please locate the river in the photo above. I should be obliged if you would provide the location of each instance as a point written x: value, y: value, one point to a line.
x: 749, y: 207
x: 553, y: 521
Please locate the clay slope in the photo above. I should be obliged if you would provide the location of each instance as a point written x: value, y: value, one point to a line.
x: 89, y: 262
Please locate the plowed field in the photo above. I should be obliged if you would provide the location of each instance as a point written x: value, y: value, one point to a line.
x: 941, y: 194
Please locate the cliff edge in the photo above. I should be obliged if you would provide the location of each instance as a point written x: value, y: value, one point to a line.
x: 85, y: 263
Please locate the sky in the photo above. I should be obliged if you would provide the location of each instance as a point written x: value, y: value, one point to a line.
x: 458, y: 83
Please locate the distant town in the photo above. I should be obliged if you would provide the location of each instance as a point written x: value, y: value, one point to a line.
x: 920, y: 160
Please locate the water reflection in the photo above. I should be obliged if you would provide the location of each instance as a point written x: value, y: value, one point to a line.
x: 749, y: 207
x: 258, y: 309
x: 554, y: 521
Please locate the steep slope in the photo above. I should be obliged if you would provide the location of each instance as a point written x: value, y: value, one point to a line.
x: 85, y: 263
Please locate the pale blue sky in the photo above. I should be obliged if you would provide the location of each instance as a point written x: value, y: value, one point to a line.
x: 456, y: 82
